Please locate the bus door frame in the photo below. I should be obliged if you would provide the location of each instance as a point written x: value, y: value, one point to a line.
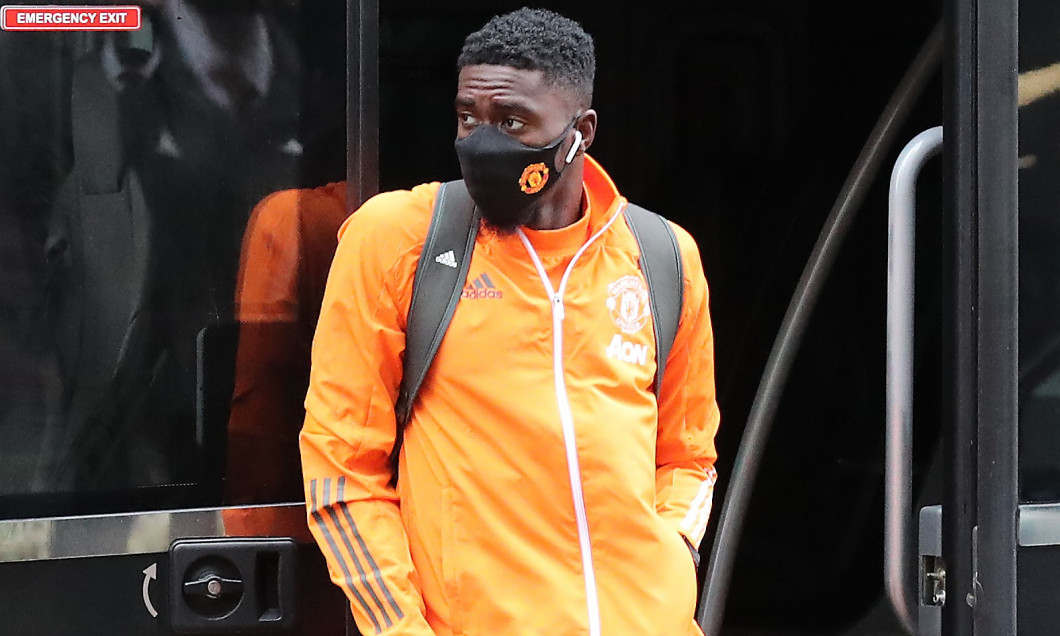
x: 980, y: 511
x: 362, y: 101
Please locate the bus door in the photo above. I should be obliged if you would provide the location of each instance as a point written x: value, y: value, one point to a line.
x: 169, y: 201
x: 998, y: 529
x: 1038, y: 344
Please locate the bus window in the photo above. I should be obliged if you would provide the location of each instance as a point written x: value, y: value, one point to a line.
x: 1039, y: 266
x: 160, y: 279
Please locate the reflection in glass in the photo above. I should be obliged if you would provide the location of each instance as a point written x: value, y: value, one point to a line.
x: 129, y: 168
x: 287, y: 252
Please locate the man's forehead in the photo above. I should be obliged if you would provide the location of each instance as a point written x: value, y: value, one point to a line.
x: 507, y: 81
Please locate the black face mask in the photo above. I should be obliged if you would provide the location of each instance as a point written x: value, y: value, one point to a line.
x: 505, y: 177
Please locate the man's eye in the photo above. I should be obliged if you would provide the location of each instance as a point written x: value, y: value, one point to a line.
x: 466, y: 119
x: 512, y: 125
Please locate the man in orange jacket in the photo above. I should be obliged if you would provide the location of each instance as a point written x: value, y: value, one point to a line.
x: 543, y: 489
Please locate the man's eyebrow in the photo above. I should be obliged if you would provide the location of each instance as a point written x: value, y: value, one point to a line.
x: 514, y: 106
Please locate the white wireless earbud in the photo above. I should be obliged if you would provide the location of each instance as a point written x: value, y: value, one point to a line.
x: 574, y: 146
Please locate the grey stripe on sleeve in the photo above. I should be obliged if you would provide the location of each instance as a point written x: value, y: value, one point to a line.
x: 349, y: 547
x: 319, y: 519
x: 364, y: 548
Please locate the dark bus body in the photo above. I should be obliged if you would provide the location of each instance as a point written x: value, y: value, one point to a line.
x: 152, y: 371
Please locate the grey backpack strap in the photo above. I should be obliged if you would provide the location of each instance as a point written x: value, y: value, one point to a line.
x: 440, y: 277
x: 660, y: 262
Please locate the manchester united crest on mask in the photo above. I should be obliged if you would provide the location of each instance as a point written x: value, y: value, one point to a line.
x: 534, y: 178
x: 628, y: 303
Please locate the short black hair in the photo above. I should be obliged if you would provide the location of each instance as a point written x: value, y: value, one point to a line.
x: 538, y: 40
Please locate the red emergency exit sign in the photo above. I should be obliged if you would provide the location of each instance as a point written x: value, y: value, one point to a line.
x: 66, y: 18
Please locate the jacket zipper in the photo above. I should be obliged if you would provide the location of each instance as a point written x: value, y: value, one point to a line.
x: 566, y: 418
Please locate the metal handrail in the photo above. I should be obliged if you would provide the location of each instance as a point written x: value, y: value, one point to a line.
x: 899, y: 564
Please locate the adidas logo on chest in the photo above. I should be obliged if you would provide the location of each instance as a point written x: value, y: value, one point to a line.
x: 481, y: 287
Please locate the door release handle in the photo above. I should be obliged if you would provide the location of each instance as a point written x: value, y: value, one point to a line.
x: 899, y: 562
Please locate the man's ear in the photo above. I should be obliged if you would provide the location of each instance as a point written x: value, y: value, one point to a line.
x: 587, y: 127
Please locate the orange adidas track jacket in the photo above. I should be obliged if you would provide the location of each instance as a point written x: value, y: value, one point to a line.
x: 541, y: 490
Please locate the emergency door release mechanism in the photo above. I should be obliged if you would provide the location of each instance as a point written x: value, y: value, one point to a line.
x: 899, y: 561
x: 212, y: 585
x: 236, y: 585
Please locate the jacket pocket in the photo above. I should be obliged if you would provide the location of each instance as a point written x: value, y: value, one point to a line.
x: 685, y: 582
x: 693, y: 551
x: 450, y: 562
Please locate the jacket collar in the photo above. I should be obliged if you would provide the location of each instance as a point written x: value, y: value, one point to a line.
x: 602, y: 202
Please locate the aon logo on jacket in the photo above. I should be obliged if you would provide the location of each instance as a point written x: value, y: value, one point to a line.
x: 627, y: 351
